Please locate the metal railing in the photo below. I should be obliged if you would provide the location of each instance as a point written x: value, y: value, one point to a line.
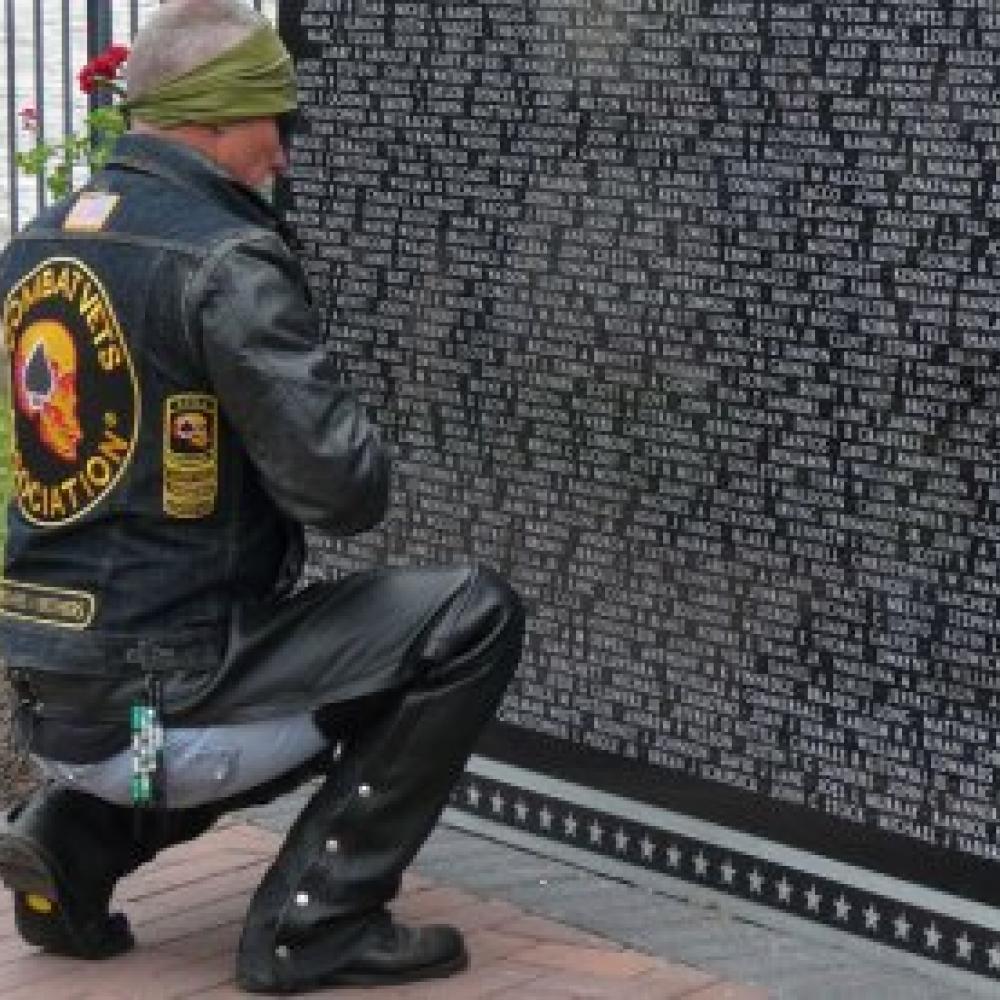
x: 45, y: 44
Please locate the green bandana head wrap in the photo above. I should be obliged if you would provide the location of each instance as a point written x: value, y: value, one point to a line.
x: 254, y: 79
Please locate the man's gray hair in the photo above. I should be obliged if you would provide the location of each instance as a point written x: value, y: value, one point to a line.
x: 183, y: 35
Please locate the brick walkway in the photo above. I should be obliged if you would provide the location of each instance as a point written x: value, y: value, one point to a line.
x: 187, y: 909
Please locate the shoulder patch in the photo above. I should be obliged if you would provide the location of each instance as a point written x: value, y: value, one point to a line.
x: 74, y: 392
x: 190, y: 455
x: 91, y: 212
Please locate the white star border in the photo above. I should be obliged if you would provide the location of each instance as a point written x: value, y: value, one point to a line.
x: 936, y: 937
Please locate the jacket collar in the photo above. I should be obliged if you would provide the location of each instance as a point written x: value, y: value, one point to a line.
x: 179, y: 164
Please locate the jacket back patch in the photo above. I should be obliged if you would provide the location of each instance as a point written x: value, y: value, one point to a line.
x: 75, y: 393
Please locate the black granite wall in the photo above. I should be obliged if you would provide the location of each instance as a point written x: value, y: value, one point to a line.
x: 687, y: 315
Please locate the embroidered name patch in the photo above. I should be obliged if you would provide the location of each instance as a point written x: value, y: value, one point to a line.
x: 91, y: 212
x: 47, y: 605
x: 190, y: 455
x: 75, y: 394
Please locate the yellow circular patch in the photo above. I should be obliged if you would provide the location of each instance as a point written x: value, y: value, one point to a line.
x: 74, y: 392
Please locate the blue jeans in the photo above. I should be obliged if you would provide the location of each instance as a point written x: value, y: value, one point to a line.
x: 203, y: 765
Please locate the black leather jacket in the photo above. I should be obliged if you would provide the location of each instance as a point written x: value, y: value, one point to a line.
x: 178, y: 419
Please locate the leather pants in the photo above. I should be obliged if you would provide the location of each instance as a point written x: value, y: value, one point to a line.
x: 343, y: 859
x: 402, y: 730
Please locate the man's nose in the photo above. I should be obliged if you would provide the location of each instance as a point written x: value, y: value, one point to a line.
x: 280, y: 160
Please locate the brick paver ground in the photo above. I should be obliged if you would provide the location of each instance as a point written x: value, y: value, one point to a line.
x: 187, y: 908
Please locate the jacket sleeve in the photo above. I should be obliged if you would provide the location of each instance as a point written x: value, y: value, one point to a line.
x: 306, y: 432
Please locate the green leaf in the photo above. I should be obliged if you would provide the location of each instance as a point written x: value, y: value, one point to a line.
x: 92, y: 145
x: 61, y: 179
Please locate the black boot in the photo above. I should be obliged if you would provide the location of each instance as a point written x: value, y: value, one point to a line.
x: 381, y: 953
x: 61, y: 852
x: 318, y: 917
x: 392, y: 953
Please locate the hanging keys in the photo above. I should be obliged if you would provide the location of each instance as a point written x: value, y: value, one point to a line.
x: 147, y: 748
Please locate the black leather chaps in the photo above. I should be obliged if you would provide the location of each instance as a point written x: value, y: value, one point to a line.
x: 402, y: 669
x: 403, y: 748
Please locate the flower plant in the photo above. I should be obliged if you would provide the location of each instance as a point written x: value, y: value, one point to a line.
x: 54, y: 163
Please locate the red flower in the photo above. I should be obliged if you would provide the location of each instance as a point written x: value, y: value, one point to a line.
x: 102, y: 67
x: 87, y: 79
x: 117, y: 53
x: 29, y: 118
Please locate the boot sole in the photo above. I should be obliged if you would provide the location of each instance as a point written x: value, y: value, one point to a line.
x: 362, y: 979
x: 439, y: 971
x: 27, y: 870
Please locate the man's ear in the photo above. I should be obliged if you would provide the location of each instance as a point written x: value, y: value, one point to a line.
x: 286, y: 128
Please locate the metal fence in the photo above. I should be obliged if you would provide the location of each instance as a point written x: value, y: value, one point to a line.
x: 45, y: 43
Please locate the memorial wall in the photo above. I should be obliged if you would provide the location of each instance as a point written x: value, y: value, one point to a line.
x: 686, y: 315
